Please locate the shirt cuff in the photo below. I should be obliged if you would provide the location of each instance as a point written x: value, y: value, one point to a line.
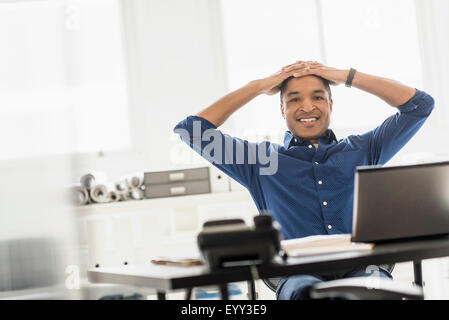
x: 204, y: 123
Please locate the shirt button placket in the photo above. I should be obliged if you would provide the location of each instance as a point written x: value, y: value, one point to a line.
x: 320, y: 182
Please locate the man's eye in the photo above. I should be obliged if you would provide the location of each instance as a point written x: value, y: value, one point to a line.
x: 319, y: 98
x: 294, y: 100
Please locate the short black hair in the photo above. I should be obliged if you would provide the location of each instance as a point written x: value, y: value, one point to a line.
x: 326, y: 84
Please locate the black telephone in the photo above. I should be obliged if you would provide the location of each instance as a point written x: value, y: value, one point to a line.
x: 230, y: 243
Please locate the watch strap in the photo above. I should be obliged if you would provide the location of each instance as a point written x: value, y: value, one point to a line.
x: 350, y: 77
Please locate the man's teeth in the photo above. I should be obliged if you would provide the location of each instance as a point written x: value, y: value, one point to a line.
x: 308, y: 120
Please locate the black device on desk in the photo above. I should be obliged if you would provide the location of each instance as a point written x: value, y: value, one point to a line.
x: 401, y: 202
x: 228, y: 243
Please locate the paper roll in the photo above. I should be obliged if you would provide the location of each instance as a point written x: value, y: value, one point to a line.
x: 134, y: 180
x: 87, y: 181
x: 124, y: 195
x: 121, y: 186
x: 113, y: 196
x: 136, y: 194
x: 80, y: 196
x: 99, y: 194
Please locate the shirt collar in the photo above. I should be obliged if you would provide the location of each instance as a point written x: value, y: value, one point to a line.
x: 328, y: 138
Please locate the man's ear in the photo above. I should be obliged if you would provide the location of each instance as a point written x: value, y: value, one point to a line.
x: 282, y: 111
x: 331, y: 103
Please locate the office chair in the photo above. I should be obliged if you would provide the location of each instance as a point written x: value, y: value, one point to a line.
x: 356, y: 289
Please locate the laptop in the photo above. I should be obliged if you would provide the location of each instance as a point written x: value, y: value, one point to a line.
x: 402, y: 202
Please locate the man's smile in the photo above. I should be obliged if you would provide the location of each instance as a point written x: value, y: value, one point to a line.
x: 308, y: 122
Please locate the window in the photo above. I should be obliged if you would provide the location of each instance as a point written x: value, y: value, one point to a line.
x: 260, y: 37
x: 62, y: 84
x: 378, y: 37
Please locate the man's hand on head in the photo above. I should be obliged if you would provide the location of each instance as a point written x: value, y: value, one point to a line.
x: 272, y: 84
x: 392, y: 92
x: 302, y: 69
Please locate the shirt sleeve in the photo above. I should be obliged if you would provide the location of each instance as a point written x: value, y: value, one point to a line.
x: 235, y: 157
x: 391, y: 136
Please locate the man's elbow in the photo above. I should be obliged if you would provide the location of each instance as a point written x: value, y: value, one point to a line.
x: 177, y: 127
x: 430, y: 104
x: 427, y: 104
x: 181, y: 130
x: 181, y: 125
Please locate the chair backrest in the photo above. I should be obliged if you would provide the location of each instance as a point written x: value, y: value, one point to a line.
x: 357, y: 289
x: 271, y: 283
x: 388, y: 267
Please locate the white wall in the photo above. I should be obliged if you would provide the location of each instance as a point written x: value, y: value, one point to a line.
x: 176, y: 68
x: 430, y: 144
x: 433, y: 29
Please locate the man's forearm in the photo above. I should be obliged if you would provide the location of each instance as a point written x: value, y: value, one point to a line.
x: 392, y: 92
x: 221, y: 110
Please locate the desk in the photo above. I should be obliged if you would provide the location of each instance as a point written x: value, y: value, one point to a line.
x: 167, y: 278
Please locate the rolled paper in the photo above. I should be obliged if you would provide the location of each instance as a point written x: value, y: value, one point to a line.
x: 87, y: 181
x: 80, y: 196
x: 134, y: 180
x: 136, y: 194
x: 99, y: 194
x: 121, y: 186
x: 123, y: 195
x: 113, y: 196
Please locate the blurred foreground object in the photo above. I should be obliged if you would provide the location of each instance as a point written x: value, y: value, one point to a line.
x: 38, y: 241
x: 29, y: 263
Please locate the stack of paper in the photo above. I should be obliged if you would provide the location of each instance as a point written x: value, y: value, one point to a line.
x: 323, y: 244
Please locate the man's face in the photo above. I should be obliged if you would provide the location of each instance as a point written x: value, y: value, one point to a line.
x: 306, y: 108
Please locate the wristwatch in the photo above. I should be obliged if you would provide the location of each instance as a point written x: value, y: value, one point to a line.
x: 350, y: 77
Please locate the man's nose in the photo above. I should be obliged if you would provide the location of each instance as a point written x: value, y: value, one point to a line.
x: 307, y: 106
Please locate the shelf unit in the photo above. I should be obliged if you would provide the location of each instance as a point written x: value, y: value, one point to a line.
x: 133, y: 231
x: 168, y: 202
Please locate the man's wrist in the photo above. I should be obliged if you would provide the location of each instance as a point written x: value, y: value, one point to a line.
x: 350, y: 77
x: 344, y: 76
x: 256, y: 85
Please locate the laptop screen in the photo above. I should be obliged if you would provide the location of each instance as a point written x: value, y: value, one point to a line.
x: 401, y: 202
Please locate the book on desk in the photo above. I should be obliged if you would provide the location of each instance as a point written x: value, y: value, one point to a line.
x: 323, y: 244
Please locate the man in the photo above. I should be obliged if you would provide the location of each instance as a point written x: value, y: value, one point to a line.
x: 311, y: 190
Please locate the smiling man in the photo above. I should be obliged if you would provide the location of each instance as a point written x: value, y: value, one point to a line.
x: 307, y: 106
x: 311, y: 192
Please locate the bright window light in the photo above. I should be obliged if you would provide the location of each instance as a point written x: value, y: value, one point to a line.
x: 262, y: 36
x: 63, y: 82
x: 377, y: 37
